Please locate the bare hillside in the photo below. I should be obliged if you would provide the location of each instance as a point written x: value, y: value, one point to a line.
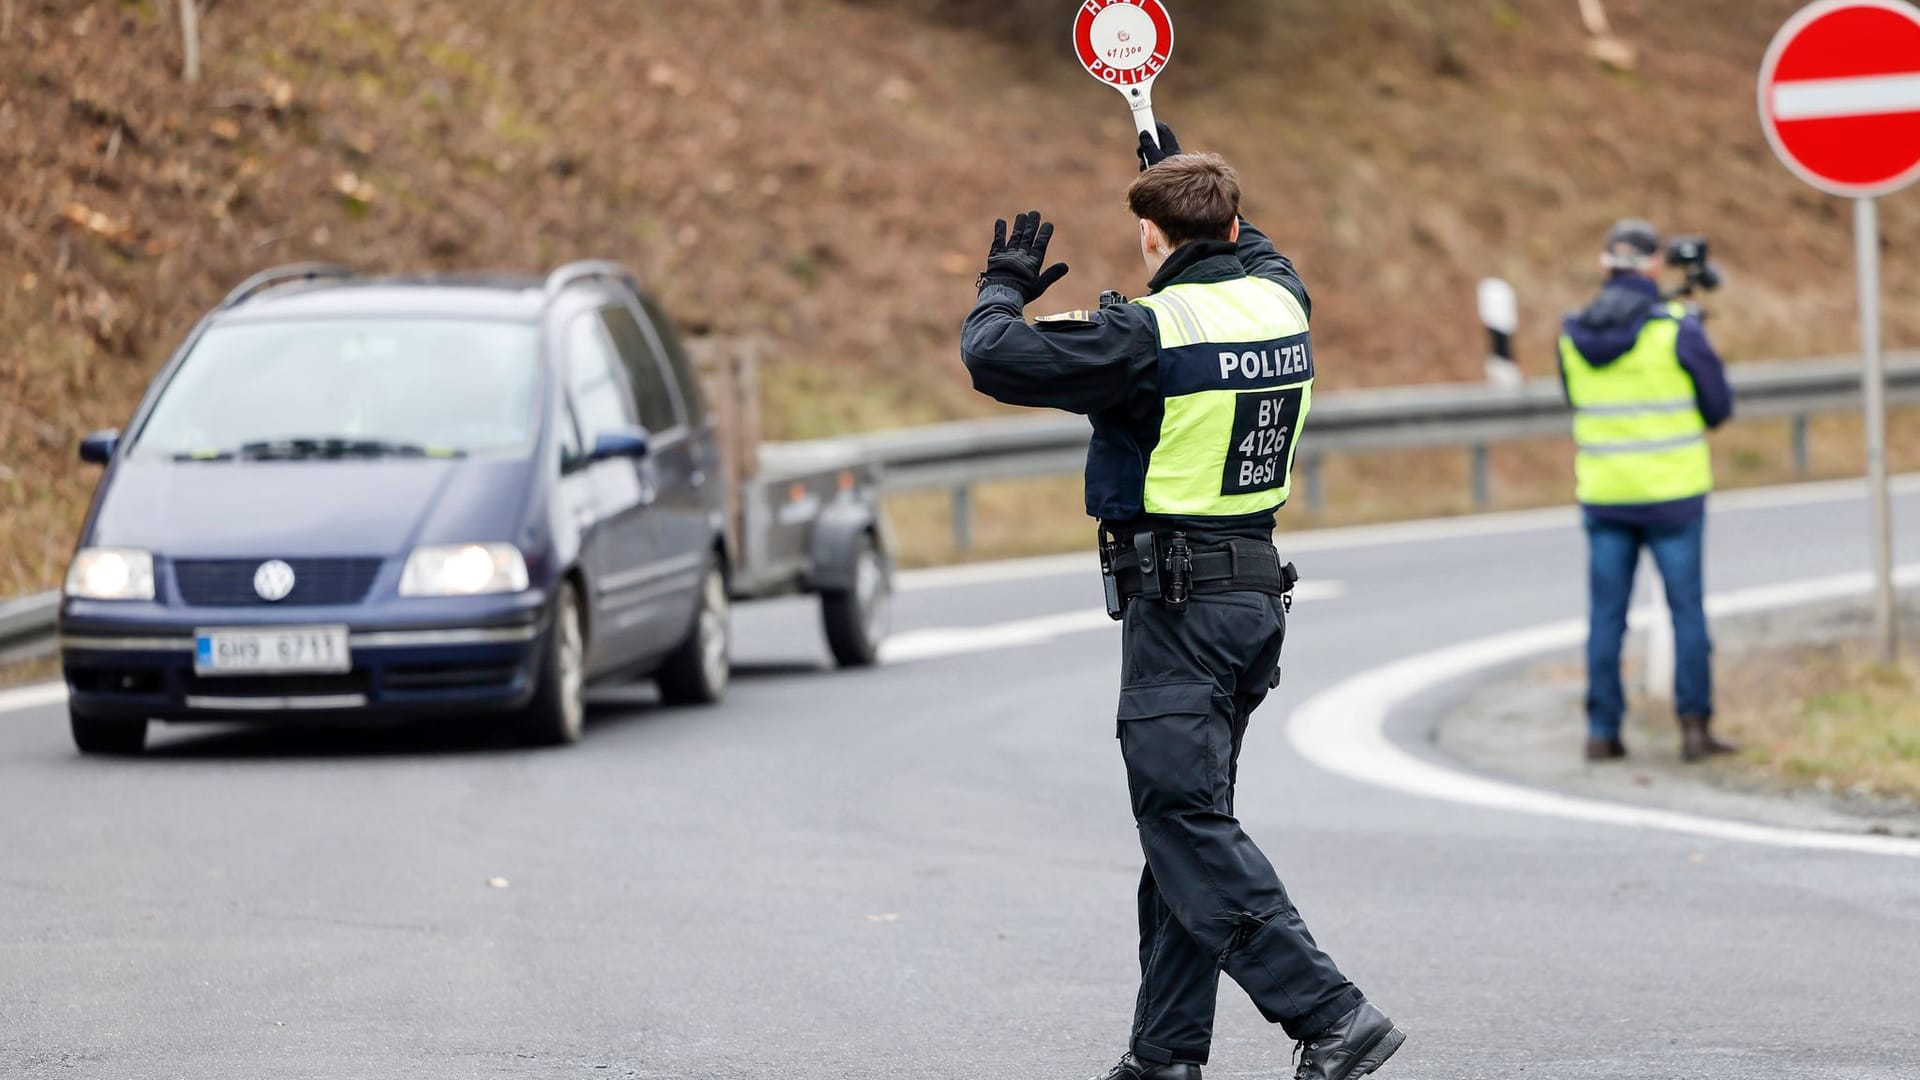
x: 823, y: 175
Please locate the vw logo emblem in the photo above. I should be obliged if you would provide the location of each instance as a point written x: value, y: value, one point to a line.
x: 273, y: 581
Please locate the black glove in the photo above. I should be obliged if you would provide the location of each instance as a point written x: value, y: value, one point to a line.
x: 1017, y: 260
x: 1152, y: 153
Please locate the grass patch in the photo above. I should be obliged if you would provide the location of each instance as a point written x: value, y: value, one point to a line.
x: 1825, y: 717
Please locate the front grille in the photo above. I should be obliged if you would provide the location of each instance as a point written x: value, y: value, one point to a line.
x: 273, y: 686
x: 229, y: 582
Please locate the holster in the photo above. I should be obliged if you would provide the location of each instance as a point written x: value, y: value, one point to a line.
x: 1110, y: 584
x: 1172, y: 571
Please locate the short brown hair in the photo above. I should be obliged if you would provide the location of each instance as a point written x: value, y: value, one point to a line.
x: 1190, y: 196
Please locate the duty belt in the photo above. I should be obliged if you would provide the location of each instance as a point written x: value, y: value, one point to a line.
x: 1166, y: 568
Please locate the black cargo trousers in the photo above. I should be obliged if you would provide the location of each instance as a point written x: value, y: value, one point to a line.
x: 1209, y: 900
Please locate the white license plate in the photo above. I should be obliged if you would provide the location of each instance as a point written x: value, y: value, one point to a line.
x: 282, y: 650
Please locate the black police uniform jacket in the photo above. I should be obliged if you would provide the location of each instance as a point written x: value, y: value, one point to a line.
x: 1105, y: 365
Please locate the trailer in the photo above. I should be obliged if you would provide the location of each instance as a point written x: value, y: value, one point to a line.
x: 802, y: 518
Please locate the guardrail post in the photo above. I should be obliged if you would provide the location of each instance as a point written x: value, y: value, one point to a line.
x: 1802, y: 455
x: 1316, y: 491
x: 962, y: 517
x: 1482, y: 483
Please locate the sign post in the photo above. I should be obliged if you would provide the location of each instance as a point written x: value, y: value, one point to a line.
x: 1873, y: 396
x: 1840, y: 102
x: 1126, y: 44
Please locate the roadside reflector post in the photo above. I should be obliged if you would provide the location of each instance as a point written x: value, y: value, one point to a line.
x: 1500, y: 314
x: 1839, y: 102
x: 1660, y: 658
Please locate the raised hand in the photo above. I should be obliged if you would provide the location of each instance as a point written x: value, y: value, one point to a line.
x: 1016, y: 260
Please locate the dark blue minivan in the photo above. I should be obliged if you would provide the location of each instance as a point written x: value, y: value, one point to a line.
x: 352, y: 498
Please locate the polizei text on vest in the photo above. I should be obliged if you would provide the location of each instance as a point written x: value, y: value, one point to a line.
x: 1265, y: 364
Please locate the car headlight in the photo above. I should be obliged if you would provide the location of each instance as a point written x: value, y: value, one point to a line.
x: 464, y: 570
x: 111, y: 574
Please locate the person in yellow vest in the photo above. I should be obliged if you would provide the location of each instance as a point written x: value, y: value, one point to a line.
x: 1645, y: 386
x: 1197, y: 393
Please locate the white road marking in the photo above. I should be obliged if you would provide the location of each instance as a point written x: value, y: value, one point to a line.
x: 992, y: 573
x: 1402, y: 532
x: 1830, y: 99
x: 957, y: 641
x: 1343, y: 730
x: 942, y: 642
x: 32, y: 697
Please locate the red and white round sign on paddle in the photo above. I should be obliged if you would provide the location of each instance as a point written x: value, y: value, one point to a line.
x: 1125, y: 44
x: 1840, y: 96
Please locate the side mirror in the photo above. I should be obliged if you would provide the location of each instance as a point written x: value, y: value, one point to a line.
x: 97, y: 448
x: 631, y: 443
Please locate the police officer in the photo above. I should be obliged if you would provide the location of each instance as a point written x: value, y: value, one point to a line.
x: 1645, y: 386
x: 1197, y: 393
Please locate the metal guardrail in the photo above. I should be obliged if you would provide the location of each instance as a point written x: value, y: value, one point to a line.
x: 957, y: 456
x: 26, y: 623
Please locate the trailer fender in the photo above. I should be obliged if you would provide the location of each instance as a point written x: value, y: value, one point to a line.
x: 836, y: 542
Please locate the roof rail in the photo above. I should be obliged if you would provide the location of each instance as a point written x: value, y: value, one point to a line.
x: 281, y: 275
x: 588, y: 270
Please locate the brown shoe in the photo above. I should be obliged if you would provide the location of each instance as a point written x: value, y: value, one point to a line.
x: 1697, y: 742
x: 1606, y: 749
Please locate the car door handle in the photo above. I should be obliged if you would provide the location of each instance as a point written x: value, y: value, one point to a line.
x: 699, y: 478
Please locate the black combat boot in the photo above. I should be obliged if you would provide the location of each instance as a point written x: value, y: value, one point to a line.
x: 1132, y: 1068
x: 1356, y: 1044
x: 1697, y: 742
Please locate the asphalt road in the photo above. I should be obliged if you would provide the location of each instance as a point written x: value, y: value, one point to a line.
x: 923, y: 871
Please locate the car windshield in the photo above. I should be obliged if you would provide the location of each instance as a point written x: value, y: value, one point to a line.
x: 337, y: 388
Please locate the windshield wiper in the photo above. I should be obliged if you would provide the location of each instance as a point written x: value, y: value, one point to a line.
x: 297, y: 449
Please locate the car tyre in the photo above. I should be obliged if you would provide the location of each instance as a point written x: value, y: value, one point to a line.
x: 557, y: 714
x: 102, y: 735
x: 857, y: 619
x: 696, y: 672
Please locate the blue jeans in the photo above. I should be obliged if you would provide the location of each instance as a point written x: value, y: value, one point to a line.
x: 1614, y: 550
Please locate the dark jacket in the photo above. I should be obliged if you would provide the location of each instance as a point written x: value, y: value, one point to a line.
x: 1105, y: 365
x: 1609, y: 329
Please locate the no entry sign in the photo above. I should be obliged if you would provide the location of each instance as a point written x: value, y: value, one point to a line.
x: 1125, y: 44
x: 1840, y: 101
x: 1840, y: 96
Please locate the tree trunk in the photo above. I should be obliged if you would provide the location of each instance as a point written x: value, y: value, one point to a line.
x: 190, y: 40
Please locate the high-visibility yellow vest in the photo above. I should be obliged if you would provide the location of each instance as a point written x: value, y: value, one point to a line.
x: 1637, y: 429
x: 1236, y: 376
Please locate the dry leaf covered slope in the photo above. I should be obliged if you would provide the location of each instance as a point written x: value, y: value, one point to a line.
x: 822, y: 175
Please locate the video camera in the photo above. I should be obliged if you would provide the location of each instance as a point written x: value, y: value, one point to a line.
x: 1689, y: 254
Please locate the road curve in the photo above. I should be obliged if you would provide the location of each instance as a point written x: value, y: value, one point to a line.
x: 923, y: 871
